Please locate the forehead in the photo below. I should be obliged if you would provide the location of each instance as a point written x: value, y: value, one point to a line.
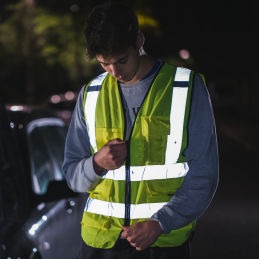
x: 113, y: 58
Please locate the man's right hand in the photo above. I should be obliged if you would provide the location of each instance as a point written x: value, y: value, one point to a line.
x: 111, y: 156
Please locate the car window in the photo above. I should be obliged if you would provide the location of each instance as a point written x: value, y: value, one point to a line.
x: 46, y: 140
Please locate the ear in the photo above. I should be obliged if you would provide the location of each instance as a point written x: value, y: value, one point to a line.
x: 140, y: 40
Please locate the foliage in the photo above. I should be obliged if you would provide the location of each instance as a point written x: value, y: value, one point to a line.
x: 44, y: 50
x: 44, y: 47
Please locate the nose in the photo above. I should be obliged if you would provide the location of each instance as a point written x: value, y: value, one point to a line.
x: 114, y: 70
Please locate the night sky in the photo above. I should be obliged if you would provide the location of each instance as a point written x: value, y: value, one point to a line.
x: 222, y: 35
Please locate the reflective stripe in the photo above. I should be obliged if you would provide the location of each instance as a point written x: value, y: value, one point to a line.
x: 150, y: 172
x: 182, y: 74
x: 174, y: 140
x: 113, y: 209
x: 90, y: 107
x: 98, y: 80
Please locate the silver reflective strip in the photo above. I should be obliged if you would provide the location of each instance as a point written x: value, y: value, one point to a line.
x: 91, y: 100
x: 99, y: 79
x: 182, y: 74
x: 150, y: 172
x: 174, y: 140
x: 117, y: 210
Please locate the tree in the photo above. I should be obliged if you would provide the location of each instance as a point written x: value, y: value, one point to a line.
x: 45, y: 52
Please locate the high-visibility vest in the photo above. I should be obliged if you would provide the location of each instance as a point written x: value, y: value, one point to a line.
x: 156, y: 166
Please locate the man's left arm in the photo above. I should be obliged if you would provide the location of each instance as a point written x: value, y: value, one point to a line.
x: 200, y: 183
x: 199, y: 186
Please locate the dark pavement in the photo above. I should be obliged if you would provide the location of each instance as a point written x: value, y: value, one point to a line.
x: 230, y: 227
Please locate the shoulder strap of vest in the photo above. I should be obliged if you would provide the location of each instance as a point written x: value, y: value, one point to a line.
x: 182, y: 77
x: 178, y: 114
x: 94, y: 86
x: 90, y: 98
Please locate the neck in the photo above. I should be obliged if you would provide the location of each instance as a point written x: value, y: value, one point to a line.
x: 145, y: 65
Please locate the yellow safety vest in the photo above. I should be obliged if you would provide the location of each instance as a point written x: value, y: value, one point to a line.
x: 156, y: 165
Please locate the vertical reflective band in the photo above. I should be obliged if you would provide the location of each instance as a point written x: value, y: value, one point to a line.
x: 180, y: 91
x: 182, y: 74
x: 117, y: 210
x: 90, y: 106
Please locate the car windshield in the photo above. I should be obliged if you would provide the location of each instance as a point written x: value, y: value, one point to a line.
x: 46, y: 140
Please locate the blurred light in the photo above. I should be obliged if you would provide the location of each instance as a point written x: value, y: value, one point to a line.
x: 184, y: 54
x: 74, y: 8
x: 65, y: 114
x: 55, y: 98
x: 69, y: 211
x: 41, y: 206
x: 69, y: 95
x: 33, y: 229
x: 46, y: 245
x: 16, y: 108
x: 147, y: 21
x: 72, y: 203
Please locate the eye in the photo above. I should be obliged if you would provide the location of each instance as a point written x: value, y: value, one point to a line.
x: 123, y: 61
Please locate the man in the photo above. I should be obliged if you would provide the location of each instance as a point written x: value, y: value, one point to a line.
x: 142, y: 142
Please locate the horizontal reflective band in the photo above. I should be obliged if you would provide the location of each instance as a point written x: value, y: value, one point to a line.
x: 150, y: 172
x: 117, y: 210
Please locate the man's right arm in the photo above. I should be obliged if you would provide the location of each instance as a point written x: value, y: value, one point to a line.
x: 82, y: 169
x: 78, y: 159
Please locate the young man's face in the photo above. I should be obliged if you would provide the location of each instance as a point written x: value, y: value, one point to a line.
x: 123, y: 67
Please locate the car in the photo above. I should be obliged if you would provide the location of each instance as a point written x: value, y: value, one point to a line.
x: 39, y: 215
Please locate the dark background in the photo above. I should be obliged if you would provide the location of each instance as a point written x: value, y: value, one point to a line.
x: 42, y: 45
x: 42, y: 53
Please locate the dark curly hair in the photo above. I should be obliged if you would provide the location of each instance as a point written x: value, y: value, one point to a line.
x: 111, y: 28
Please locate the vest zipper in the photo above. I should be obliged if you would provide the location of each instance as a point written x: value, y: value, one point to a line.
x: 127, y: 192
x: 127, y: 162
x: 127, y: 198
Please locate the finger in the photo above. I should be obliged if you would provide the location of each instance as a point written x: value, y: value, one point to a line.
x: 125, y: 228
x: 124, y: 233
x: 116, y: 141
x: 138, y: 247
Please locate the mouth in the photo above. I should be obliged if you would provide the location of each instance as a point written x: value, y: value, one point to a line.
x: 120, y: 78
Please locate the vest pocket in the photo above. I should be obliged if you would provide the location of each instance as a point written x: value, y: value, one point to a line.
x: 163, y: 190
x: 155, y: 130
